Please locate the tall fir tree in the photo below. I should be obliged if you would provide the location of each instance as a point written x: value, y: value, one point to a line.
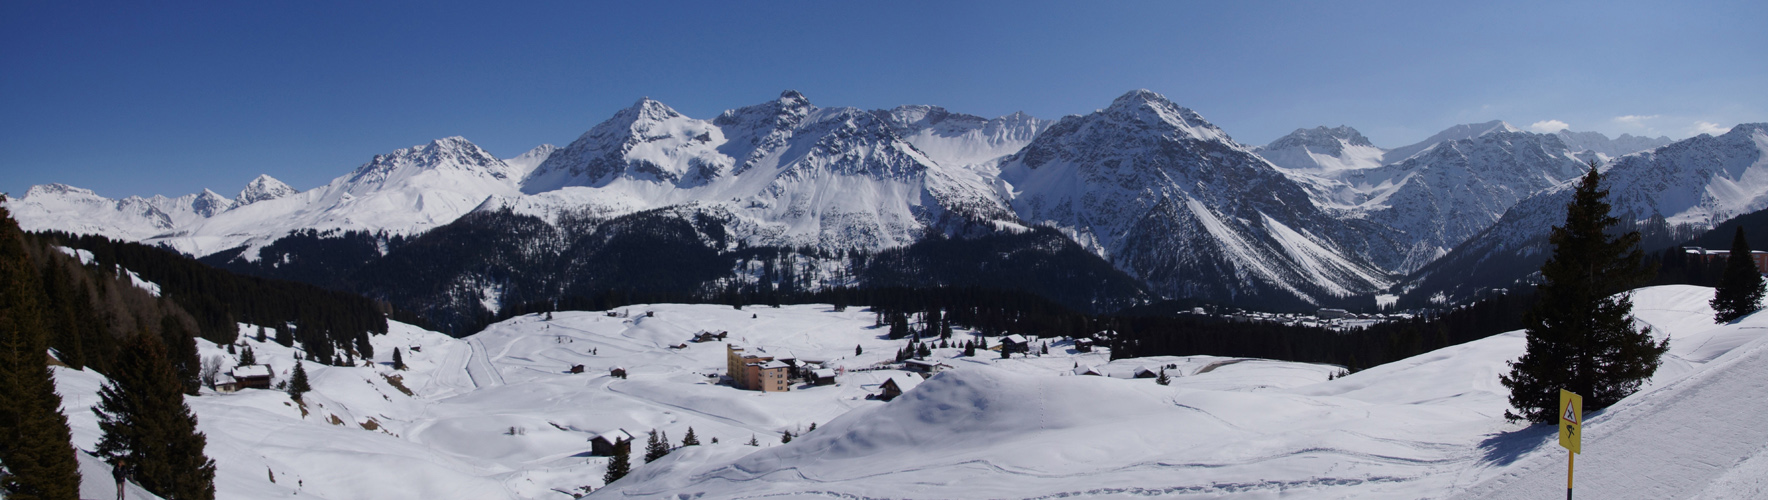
x: 247, y: 357
x: 398, y: 360
x: 690, y: 439
x: 620, y: 464
x: 147, y: 425
x: 1581, y: 335
x: 35, y: 444
x: 1740, y: 289
x: 298, y: 382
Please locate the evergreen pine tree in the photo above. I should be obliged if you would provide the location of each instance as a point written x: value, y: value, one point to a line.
x: 690, y: 439
x: 753, y: 441
x: 298, y: 382
x: 812, y: 427
x: 283, y: 337
x: 857, y: 350
x: 1740, y: 289
x: 34, y: 439
x: 657, y: 447
x: 1163, y: 379
x: 147, y: 424
x: 786, y: 437
x: 1581, y: 336
x: 180, y: 344
x: 620, y: 464
x: 398, y: 360
x: 247, y: 358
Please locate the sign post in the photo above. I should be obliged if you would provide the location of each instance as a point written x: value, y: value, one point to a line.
x: 1571, y: 432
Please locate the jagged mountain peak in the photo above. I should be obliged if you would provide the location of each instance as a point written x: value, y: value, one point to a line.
x: 57, y: 189
x: 264, y: 187
x: 448, y: 153
x: 1321, y: 136
x: 1155, y: 110
x: 1458, y: 132
x: 792, y: 98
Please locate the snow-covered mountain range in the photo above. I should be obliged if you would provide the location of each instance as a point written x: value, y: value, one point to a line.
x: 1321, y: 216
x: 1688, y: 185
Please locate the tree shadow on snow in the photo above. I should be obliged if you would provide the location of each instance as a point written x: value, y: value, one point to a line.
x: 1504, y: 448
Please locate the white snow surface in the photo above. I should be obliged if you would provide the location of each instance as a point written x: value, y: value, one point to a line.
x: 498, y: 415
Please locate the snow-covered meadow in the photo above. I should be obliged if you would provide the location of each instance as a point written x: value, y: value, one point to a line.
x: 499, y: 415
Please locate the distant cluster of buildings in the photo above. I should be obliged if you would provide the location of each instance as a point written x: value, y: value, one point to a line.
x: 756, y: 369
x: 1720, y: 256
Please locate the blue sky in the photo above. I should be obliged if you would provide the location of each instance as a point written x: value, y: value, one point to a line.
x: 134, y: 99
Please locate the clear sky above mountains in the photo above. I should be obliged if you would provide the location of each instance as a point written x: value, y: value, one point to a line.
x: 129, y: 99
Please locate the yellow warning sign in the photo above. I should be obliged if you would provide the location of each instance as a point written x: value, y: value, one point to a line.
x: 1571, y: 420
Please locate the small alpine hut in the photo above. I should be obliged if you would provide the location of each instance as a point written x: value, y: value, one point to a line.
x: 822, y: 376
x: 1086, y: 370
x: 1015, y: 343
x: 924, y: 367
x: 1083, y: 345
x: 1146, y: 372
x: 252, y: 377
x: 897, y: 385
x: 603, y: 444
x: 617, y: 372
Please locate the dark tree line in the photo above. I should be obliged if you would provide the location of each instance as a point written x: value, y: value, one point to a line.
x: 35, y: 449
x: 325, y: 322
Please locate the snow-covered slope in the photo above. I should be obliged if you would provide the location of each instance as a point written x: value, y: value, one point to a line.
x: 403, y: 192
x: 960, y: 140
x: 67, y: 208
x: 1430, y: 426
x: 1322, y: 150
x: 1440, y: 197
x: 1455, y: 133
x: 1169, y: 198
x: 499, y: 415
x: 1624, y: 145
x: 263, y: 188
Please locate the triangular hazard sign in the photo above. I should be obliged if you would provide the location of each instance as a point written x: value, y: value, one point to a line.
x: 1569, y: 416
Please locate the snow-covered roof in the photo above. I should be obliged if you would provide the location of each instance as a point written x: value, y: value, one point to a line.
x: 224, y: 379
x: 823, y: 373
x: 904, y: 382
x: 1085, y: 370
x: 251, y: 371
x: 614, y: 436
x: 774, y: 364
x: 1015, y: 338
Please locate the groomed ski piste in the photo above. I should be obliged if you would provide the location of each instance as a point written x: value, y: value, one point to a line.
x: 499, y: 415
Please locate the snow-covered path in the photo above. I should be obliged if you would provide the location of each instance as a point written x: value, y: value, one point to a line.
x: 1675, y: 444
x: 479, y: 366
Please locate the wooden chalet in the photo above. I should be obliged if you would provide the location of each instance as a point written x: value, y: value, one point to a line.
x: 897, y: 385
x: 251, y: 377
x: 822, y: 376
x: 602, y: 445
